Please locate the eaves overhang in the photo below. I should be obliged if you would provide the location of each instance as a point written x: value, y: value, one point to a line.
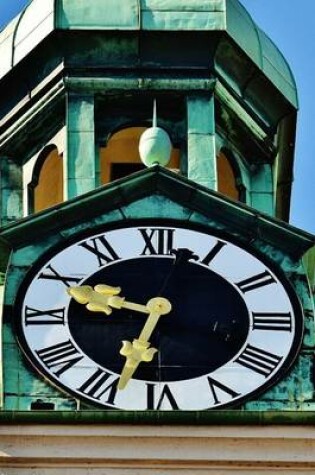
x: 228, y: 17
x: 238, y: 219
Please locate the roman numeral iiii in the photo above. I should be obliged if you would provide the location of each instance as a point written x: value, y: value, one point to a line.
x: 258, y: 360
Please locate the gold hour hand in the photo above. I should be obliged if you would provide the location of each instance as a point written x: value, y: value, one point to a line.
x: 120, y: 302
x: 139, y: 350
x: 95, y: 301
x: 103, y: 298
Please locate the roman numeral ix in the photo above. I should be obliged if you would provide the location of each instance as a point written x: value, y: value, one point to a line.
x: 55, y: 316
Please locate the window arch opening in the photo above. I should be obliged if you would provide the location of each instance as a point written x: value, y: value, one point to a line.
x: 228, y: 178
x: 46, y: 187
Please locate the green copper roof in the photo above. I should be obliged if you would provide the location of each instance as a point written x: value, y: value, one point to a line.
x: 41, y: 17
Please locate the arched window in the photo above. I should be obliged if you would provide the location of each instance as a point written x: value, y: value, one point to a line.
x: 227, y: 179
x: 46, y: 187
x: 121, y: 155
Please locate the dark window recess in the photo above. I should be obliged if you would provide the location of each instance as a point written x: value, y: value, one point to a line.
x: 40, y: 405
x: 120, y: 170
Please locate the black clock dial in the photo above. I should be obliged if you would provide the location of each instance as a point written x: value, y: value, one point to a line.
x: 204, y: 330
x: 235, y: 325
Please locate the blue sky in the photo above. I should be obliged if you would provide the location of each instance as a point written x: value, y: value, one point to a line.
x: 291, y: 25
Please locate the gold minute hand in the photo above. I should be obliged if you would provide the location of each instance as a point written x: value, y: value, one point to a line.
x: 139, y: 350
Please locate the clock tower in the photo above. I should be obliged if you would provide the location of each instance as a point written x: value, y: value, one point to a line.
x: 157, y: 311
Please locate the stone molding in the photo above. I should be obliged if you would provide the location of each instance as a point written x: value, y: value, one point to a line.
x: 158, y: 450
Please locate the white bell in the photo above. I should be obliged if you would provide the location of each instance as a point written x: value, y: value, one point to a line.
x: 155, y: 145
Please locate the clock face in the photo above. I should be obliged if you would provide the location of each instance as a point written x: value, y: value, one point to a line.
x: 234, y: 328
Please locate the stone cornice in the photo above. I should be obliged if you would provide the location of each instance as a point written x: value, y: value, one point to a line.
x: 131, y: 448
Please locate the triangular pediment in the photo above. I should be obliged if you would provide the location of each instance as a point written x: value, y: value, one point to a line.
x: 156, y: 193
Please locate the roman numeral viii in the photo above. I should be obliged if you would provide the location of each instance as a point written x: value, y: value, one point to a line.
x: 259, y: 360
x: 102, y: 250
x: 55, y: 316
x: 62, y: 356
x: 157, y: 241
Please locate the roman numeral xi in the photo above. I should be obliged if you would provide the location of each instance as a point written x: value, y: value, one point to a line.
x: 101, y: 249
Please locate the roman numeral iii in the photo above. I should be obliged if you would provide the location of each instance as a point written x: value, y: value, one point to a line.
x: 272, y: 321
